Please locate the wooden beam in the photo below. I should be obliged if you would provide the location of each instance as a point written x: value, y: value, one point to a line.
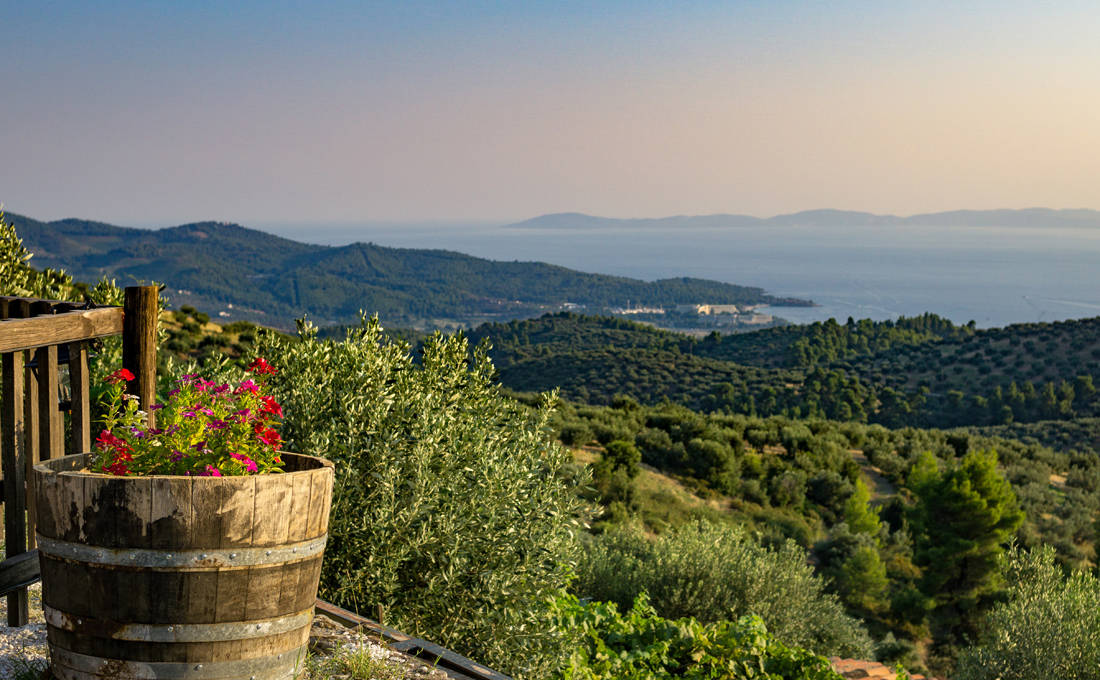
x: 19, y: 572
x: 454, y: 665
x: 56, y: 329
x: 139, y: 344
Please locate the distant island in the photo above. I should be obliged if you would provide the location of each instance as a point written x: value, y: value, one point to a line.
x: 236, y: 273
x: 1029, y: 217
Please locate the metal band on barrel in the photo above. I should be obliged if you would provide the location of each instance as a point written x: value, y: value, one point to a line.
x: 72, y: 666
x: 181, y: 559
x: 178, y: 632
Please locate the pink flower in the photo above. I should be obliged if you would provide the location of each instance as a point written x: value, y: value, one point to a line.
x: 247, y: 386
x: 248, y: 463
x: 212, y: 471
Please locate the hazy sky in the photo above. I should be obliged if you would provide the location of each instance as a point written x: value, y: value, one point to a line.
x: 166, y: 112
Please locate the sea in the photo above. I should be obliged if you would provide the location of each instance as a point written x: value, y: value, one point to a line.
x: 994, y: 276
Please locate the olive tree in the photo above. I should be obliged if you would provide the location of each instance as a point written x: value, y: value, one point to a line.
x: 719, y: 573
x: 452, y: 507
x: 1049, y: 626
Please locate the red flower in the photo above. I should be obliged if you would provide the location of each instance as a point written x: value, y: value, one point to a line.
x: 107, y: 440
x: 271, y: 406
x: 269, y: 437
x: 120, y: 375
x: 261, y: 366
x: 118, y: 468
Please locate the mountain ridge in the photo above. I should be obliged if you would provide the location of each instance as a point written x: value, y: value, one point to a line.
x: 236, y: 272
x: 828, y: 217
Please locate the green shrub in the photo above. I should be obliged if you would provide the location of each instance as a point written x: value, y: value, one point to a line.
x: 452, y: 508
x: 641, y: 645
x: 715, y: 573
x: 19, y: 278
x: 1048, y: 628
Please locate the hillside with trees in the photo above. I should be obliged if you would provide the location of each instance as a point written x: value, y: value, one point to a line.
x: 763, y: 523
x: 920, y: 372
x: 245, y: 274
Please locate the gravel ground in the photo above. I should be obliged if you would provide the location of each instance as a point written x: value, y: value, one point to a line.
x: 27, y: 645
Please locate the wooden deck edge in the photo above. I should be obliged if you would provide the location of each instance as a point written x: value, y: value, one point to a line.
x: 454, y: 665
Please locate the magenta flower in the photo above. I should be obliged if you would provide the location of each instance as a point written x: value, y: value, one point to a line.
x: 248, y: 463
x: 212, y: 471
x: 247, y: 385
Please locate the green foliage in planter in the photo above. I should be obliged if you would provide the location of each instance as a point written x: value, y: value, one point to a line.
x: 640, y: 645
x: 1049, y: 627
x: 715, y: 573
x: 451, y: 509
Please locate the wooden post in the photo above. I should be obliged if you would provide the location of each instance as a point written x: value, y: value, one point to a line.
x: 13, y: 461
x: 81, y: 408
x: 139, y: 344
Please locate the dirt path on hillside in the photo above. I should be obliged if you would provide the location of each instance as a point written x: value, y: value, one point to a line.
x: 879, y: 486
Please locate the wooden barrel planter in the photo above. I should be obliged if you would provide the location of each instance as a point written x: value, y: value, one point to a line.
x: 203, y: 578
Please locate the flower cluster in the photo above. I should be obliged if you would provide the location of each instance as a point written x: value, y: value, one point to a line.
x: 203, y: 429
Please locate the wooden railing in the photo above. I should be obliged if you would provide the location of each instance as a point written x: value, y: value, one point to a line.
x: 37, y: 339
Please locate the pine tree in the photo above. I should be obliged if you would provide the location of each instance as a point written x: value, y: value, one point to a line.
x: 962, y: 520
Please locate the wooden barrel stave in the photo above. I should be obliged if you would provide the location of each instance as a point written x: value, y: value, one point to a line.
x: 185, y: 535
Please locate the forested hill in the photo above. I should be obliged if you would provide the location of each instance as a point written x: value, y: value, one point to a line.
x: 273, y: 280
x: 921, y: 372
x: 794, y: 346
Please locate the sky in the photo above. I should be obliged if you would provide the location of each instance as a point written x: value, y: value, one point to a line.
x: 155, y: 113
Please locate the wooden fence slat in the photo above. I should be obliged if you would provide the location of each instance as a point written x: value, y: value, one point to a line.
x: 79, y: 380
x: 30, y: 398
x: 32, y: 428
x: 139, y: 344
x: 13, y: 461
x: 51, y: 424
x: 57, y: 329
x: 51, y: 433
